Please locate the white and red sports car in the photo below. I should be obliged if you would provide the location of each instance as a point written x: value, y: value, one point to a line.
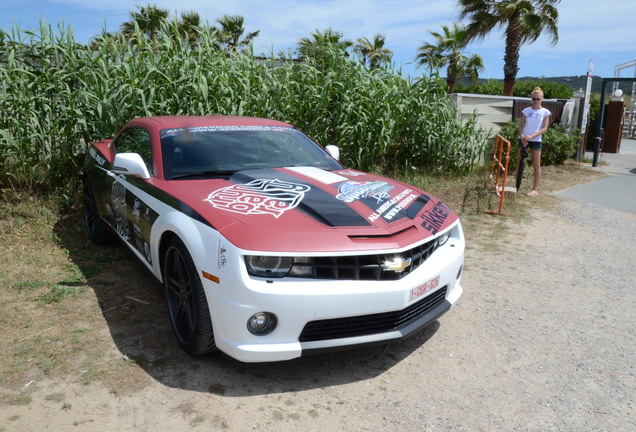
x: 267, y: 247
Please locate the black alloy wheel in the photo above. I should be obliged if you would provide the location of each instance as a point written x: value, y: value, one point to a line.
x: 187, y: 303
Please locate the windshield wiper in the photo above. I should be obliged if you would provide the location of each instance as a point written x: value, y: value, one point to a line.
x: 207, y: 173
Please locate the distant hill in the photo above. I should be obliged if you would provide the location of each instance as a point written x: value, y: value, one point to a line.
x: 575, y: 82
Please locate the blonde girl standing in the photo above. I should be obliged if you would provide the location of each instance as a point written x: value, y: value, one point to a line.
x: 533, y: 124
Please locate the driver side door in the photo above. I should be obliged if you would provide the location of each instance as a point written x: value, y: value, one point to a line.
x: 130, y: 216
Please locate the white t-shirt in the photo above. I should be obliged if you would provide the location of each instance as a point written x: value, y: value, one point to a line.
x: 534, y: 121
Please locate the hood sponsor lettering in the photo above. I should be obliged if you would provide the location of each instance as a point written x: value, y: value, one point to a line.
x: 351, y: 191
x: 273, y: 197
x: 434, y: 219
x: 392, y: 207
x: 399, y: 206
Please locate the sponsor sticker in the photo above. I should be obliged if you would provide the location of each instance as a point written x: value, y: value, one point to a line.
x: 258, y: 197
x: 118, y: 207
x: 200, y: 129
x: 222, y: 259
x: 434, y: 219
x: 392, y: 207
x: 136, y: 212
x: 221, y: 254
x: 351, y: 191
x: 98, y: 158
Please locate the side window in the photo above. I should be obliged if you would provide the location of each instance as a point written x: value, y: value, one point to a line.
x: 136, y: 140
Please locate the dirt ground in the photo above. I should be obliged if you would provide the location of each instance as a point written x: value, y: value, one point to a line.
x: 541, y: 340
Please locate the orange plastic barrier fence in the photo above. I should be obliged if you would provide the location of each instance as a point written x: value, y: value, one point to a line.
x: 499, y: 169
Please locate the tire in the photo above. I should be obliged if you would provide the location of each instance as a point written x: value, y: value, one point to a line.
x: 96, y: 228
x: 187, y: 304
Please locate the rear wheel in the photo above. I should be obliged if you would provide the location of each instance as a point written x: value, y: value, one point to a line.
x: 187, y: 304
x: 97, y: 230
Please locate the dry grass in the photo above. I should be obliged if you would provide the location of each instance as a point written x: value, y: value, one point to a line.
x: 54, y: 298
x: 71, y: 309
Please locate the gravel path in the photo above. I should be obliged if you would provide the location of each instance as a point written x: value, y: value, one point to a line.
x: 543, y: 339
x: 554, y: 311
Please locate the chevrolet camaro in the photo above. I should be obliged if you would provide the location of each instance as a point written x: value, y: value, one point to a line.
x: 266, y: 246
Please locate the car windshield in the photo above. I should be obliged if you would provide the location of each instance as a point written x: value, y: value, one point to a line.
x: 198, y: 152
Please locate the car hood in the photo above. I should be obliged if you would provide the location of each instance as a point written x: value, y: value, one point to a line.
x: 306, y: 209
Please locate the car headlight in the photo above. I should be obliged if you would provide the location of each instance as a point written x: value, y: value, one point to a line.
x: 441, y: 240
x: 268, y: 266
x: 278, y: 267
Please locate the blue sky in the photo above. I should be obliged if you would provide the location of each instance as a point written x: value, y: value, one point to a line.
x: 602, y: 31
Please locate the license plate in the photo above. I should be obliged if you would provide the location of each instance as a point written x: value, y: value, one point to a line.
x: 425, y: 288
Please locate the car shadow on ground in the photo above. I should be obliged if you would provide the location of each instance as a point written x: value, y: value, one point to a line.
x: 132, y: 304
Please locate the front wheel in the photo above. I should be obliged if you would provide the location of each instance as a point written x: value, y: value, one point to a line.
x: 187, y: 304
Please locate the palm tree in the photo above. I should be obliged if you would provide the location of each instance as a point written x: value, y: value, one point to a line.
x: 231, y: 32
x: 322, y: 43
x: 149, y: 19
x: 523, y: 21
x: 190, y: 27
x: 105, y: 39
x: 373, y: 51
x: 448, y: 51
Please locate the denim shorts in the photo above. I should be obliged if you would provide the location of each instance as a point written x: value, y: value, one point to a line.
x: 534, y: 145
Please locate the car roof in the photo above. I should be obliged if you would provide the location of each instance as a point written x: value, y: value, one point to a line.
x: 169, y: 122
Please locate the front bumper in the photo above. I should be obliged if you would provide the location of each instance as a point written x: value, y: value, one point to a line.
x: 407, y: 322
x: 327, y: 315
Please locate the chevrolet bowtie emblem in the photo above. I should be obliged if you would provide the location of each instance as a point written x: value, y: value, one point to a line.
x: 397, y: 265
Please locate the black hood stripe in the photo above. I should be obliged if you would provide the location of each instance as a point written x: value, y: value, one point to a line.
x: 317, y: 204
x: 395, y: 213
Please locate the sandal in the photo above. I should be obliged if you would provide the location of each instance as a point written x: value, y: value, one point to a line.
x: 533, y: 193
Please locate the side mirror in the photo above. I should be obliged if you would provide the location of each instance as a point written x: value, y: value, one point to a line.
x: 132, y: 164
x: 334, y: 151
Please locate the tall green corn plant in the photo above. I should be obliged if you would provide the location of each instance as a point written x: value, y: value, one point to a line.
x: 432, y: 136
x: 16, y: 106
x: 58, y: 96
x: 33, y: 104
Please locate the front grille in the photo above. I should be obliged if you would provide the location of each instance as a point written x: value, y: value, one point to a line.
x: 363, y: 267
x: 370, y: 324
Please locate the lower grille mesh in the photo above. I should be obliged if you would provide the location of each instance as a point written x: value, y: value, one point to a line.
x: 370, y: 324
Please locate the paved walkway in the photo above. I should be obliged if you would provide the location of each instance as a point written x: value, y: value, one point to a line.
x: 616, y: 192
